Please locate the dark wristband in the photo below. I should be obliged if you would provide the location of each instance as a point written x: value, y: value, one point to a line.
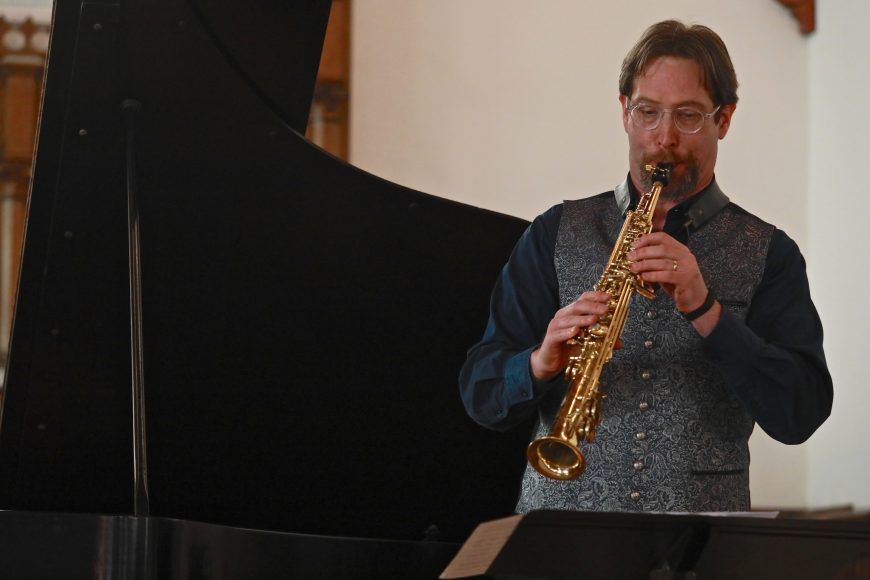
x: 703, y: 308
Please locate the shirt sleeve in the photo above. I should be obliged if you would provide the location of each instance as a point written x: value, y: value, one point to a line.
x: 775, y: 361
x: 495, y: 382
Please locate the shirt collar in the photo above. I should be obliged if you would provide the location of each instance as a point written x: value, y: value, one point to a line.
x: 697, y: 210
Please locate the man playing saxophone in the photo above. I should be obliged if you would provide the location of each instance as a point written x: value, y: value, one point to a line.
x: 731, y: 337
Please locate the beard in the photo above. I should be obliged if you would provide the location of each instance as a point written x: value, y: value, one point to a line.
x: 680, y: 186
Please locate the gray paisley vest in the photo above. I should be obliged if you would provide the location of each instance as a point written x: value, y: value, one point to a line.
x: 672, y: 437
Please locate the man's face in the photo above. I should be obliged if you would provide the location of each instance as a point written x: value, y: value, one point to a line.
x: 667, y: 83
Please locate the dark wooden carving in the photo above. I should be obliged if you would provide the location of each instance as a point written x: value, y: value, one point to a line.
x: 804, y: 11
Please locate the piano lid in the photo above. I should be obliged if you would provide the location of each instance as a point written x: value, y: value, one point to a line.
x: 91, y: 547
x: 304, y: 321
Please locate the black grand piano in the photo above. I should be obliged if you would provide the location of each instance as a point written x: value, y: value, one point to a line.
x: 277, y: 333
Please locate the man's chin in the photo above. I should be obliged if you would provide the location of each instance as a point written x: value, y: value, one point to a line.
x: 681, y: 185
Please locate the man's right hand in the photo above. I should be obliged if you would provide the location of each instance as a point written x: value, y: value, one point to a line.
x: 551, y: 357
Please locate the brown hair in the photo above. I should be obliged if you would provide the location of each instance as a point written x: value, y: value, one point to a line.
x: 697, y: 43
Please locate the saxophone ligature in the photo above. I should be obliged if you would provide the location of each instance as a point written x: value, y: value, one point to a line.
x: 558, y: 455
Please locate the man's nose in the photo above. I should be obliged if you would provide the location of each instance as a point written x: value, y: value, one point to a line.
x: 667, y: 134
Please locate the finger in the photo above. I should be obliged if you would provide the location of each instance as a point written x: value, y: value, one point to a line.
x: 655, y: 245
x: 594, y: 296
x: 640, y: 253
x: 655, y: 277
x: 653, y: 252
x: 570, y: 325
x: 654, y: 238
x: 583, y: 307
x: 586, y: 314
x: 657, y: 265
x: 651, y: 239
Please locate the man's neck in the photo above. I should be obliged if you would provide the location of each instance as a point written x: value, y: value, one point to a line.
x: 665, y: 205
x: 661, y: 213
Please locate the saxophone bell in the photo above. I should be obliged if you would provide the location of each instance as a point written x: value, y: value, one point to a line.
x: 557, y: 458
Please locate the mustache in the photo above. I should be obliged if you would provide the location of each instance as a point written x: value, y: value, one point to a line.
x: 669, y: 160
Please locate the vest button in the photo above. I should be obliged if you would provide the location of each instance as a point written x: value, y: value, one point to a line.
x: 638, y: 465
x: 640, y: 436
x: 651, y: 314
x: 635, y: 495
x: 643, y: 406
x: 646, y: 375
x: 648, y: 343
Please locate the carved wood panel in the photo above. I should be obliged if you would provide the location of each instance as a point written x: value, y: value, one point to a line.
x: 23, y: 48
x: 328, y: 121
x: 804, y: 11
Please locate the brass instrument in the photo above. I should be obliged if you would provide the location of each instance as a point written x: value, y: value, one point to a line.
x: 557, y: 456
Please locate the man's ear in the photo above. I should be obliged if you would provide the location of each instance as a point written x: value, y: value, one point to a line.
x: 623, y: 101
x: 725, y: 114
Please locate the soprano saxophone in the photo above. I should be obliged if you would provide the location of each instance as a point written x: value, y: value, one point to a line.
x: 557, y: 455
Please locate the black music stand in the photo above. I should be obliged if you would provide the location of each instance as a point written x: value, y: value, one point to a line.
x: 554, y: 544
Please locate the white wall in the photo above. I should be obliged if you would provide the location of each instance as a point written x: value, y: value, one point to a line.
x: 511, y: 105
x: 839, y: 203
x: 16, y: 10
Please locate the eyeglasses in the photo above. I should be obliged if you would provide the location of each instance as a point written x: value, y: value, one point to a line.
x: 686, y: 119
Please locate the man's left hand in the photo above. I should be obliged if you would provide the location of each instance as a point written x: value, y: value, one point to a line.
x: 659, y: 258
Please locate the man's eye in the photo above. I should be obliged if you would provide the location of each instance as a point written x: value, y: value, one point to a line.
x: 648, y: 112
x: 688, y: 115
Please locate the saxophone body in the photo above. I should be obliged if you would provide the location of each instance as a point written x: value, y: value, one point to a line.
x: 558, y: 455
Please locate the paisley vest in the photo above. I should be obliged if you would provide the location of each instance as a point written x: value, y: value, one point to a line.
x: 672, y: 436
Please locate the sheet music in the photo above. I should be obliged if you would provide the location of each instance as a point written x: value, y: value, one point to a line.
x: 483, y: 545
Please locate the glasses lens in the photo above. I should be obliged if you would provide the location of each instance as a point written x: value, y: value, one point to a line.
x: 646, y: 116
x: 688, y: 120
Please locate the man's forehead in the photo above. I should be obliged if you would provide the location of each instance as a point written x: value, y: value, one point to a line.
x: 687, y: 73
x: 686, y: 66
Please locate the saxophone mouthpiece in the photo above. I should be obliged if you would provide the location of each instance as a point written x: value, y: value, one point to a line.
x: 661, y: 172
